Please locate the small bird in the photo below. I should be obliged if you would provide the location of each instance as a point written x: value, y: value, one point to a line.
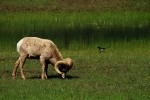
x: 101, y: 49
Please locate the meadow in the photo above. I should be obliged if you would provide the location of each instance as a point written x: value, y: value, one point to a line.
x: 116, y: 74
x: 78, y: 27
x: 121, y: 72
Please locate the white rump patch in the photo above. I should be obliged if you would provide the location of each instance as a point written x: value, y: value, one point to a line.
x: 19, y: 44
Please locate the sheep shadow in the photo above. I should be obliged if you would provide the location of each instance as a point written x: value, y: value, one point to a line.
x: 59, y: 77
x: 55, y: 77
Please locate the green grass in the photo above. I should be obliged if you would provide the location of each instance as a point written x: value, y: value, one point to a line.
x: 94, y: 28
x: 74, y: 20
x: 119, y: 73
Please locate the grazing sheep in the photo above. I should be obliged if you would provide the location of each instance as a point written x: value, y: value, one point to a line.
x: 44, y: 50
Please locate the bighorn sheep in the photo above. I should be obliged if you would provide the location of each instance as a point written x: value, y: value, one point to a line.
x: 44, y: 50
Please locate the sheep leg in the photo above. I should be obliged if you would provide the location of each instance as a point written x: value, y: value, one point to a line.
x: 22, y: 61
x: 15, y: 69
x: 43, y: 64
x: 46, y: 68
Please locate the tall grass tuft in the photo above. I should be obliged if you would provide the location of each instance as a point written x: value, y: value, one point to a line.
x: 74, y: 30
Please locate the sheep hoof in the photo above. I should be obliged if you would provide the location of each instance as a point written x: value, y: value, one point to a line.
x: 24, y: 78
x: 43, y: 78
x: 14, y: 76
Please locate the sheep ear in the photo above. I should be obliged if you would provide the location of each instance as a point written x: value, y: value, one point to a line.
x: 69, y: 62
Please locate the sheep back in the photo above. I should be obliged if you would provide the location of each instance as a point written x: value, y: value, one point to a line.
x: 34, y: 46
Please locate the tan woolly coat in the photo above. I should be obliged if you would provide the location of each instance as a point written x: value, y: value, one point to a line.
x: 35, y: 47
x: 44, y: 50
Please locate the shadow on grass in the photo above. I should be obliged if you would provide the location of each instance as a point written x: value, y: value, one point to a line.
x: 55, y: 77
x: 7, y: 74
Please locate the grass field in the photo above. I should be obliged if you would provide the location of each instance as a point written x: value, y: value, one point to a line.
x: 116, y: 74
x: 77, y: 27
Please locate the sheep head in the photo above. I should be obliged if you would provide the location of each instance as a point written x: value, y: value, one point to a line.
x: 63, y: 66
